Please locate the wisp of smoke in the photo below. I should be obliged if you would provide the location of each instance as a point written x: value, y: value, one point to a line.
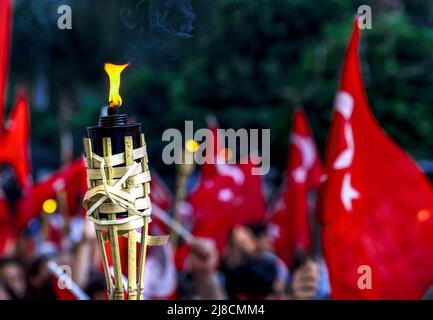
x: 158, y: 23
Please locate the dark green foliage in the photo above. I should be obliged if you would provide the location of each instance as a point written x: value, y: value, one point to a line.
x: 248, y: 62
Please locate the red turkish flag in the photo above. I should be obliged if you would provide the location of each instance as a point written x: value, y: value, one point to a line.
x: 214, y: 210
x: 289, y: 222
x: 5, y: 33
x: 226, y: 195
x: 31, y: 203
x: 14, y: 141
x: 376, y: 204
x: 70, y: 179
x: 250, y: 202
x: 75, y: 185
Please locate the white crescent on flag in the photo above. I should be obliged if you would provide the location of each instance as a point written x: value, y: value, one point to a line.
x: 232, y: 171
x: 344, y: 105
x: 344, y: 160
x: 306, y: 148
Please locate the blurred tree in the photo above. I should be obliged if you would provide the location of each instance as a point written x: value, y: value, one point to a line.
x: 248, y: 62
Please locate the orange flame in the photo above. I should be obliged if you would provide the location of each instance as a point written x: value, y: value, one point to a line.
x: 113, y: 71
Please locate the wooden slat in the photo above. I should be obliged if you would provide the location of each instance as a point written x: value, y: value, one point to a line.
x: 145, y: 229
x: 112, y: 231
x: 132, y: 245
x: 99, y: 234
x: 143, y: 253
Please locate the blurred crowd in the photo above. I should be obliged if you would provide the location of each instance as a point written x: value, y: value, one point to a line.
x: 247, y: 269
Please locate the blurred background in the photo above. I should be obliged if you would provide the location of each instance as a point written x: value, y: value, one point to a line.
x: 251, y: 64
x: 248, y: 62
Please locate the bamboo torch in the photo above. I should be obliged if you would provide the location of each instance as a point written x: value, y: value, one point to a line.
x: 117, y: 201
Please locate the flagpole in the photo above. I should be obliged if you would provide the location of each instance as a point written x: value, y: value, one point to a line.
x: 74, y: 288
x: 183, y: 171
x: 174, y: 225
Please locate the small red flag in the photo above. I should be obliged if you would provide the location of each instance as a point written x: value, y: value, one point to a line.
x: 70, y: 179
x: 5, y: 35
x: 75, y: 185
x: 226, y: 195
x: 289, y: 219
x: 376, y: 204
x: 14, y: 142
x: 250, y: 201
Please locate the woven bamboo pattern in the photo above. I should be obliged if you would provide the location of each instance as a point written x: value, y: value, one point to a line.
x: 119, y: 184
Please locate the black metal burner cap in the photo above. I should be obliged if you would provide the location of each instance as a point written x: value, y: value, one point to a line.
x: 114, y: 120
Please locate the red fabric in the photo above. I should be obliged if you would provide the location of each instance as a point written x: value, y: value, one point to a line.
x: 75, y: 178
x: 7, y: 230
x: 123, y: 250
x: 5, y: 33
x: 54, y: 233
x: 208, y: 169
x: 8, y: 239
x: 289, y: 217
x: 4, y: 209
x: 214, y: 208
x: 14, y: 142
x: 231, y: 197
x: 70, y: 179
x: 159, y: 192
x: 226, y: 195
x: 61, y: 294
x: 376, y: 204
x: 250, y: 203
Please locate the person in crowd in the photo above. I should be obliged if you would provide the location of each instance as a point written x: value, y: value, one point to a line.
x: 95, y: 288
x: 250, y: 268
x: 4, y: 292
x: 40, y: 285
x: 12, y: 279
x: 253, y: 271
x: 203, y: 262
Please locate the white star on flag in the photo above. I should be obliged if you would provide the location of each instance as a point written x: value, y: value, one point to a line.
x: 348, y: 193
